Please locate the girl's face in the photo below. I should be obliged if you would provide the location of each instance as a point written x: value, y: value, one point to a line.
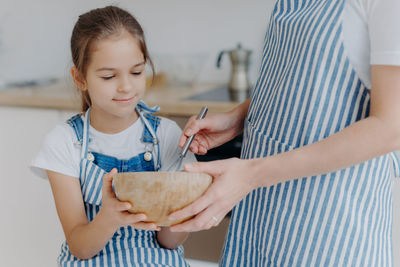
x: 116, y: 78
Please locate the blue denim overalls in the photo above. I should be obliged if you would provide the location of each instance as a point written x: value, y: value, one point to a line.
x: 128, y: 246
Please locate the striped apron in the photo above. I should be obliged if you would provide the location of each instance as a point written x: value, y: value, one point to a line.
x: 307, y: 90
x: 128, y: 246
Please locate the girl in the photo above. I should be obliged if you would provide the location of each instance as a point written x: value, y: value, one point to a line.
x: 115, y: 132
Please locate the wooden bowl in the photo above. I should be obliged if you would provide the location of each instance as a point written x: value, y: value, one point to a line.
x: 158, y: 194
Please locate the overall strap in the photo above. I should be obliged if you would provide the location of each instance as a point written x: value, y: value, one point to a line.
x: 142, y: 106
x: 85, y: 136
x: 151, y: 123
x: 76, y: 123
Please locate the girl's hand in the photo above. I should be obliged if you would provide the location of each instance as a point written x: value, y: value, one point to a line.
x: 116, y: 212
x: 212, y: 131
x: 232, y: 182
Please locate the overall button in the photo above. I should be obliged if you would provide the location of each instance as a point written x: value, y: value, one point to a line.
x: 147, y: 156
x: 90, y: 156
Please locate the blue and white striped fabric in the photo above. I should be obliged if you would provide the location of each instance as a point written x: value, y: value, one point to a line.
x: 307, y: 91
x: 128, y: 246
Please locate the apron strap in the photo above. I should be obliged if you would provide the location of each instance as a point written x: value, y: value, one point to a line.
x: 85, y: 137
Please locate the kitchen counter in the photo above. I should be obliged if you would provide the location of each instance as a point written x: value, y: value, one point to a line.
x: 62, y: 95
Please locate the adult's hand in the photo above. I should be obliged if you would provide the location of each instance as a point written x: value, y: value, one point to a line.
x: 215, y: 129
x: 232, y: 181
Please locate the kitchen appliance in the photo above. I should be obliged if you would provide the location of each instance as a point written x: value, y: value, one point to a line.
x: 239, y: 86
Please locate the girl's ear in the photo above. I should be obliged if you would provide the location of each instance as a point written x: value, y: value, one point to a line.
x: 79, y: 81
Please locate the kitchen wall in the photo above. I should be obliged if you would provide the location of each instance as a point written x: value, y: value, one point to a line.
x: 34, y: 35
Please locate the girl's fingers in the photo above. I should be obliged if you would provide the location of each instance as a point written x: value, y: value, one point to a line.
x: 122, y: 206
x: 135, y: 218
x: 146, y: 226
x: 112, y: 172
x: 107, y: 183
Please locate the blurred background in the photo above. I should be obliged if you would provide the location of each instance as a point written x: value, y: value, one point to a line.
x: 183, y: 35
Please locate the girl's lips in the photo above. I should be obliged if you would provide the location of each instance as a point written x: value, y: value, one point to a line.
x: 124, y: 100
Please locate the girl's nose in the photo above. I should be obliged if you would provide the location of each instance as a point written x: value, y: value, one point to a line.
x: 125, y: 84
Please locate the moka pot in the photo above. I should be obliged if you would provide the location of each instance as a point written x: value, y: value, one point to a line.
x: 239, y: 86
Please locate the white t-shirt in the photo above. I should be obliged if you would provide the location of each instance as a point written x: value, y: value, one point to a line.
x: 60, y: 152
x: 371, y: 32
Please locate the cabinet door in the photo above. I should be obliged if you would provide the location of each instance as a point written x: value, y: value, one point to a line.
x: 30, y: 231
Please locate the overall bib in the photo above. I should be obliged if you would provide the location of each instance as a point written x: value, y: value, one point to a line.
x: 307, y: 90
x: 128, y: 246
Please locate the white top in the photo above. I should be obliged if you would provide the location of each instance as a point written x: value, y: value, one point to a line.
x: 364, y: 40
x: 60, y: 152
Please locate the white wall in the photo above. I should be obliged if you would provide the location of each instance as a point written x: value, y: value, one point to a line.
x: 34, y: 35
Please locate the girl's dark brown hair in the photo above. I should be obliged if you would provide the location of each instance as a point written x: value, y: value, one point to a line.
x: 97, y: 25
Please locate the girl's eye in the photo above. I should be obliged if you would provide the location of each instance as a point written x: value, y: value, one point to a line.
x: 137, y: 73
x: 107, y: 77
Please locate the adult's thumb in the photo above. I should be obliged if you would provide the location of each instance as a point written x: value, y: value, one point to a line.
x: 207, y: 167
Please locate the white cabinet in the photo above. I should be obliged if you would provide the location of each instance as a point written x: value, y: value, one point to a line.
x: 30, y: 232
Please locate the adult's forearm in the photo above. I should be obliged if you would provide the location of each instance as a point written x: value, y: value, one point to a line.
x: 366, y: 139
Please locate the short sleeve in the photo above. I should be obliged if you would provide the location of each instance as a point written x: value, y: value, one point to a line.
x: 58, y: 152
x: 384, y: 31
x: 169, y: 133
